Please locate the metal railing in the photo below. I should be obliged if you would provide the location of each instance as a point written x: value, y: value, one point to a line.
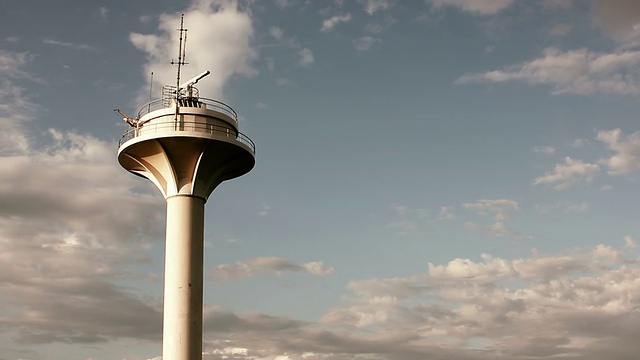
x: 190, y: 102
x: 217, y: 131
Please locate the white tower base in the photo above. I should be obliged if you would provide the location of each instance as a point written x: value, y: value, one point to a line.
x: 183, y: 278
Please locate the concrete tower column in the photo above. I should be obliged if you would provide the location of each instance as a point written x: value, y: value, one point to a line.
x: 183, y: 278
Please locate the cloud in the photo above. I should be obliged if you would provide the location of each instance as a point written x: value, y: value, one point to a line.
x: 264, y: 266
x: 578, y: 143
x: 67, y: 44
x: 481, y: 7
x: 575, y: 71
x: 365, y: 43
x: 446, y: 213
x: 406, y: 220
x: 499, y: 210
x: 265, y: 208
x: 568, y: 174
x: 548, y: 150
x: 627, y: 151
x: 619, y: 20
x: 371, y: 6
x: 555, y: 306
x: 276, y: 32
x: 71, y: 222
x: 630, y: 242
x: 103, y: 14
x: 214, y: 27
x: 330, y: 23
x: 305, y: 57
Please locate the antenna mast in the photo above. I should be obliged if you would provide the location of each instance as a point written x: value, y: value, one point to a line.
x: 181, y: 54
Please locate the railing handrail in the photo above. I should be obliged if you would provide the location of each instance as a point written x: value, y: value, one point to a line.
x: 150, y: 128
x: 210, y: 103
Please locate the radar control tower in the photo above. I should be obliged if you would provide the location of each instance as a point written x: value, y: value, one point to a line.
x: 186, y: 145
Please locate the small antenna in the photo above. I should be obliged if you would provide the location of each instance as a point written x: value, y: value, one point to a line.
x: 181, y: 54
x: 150, y: 90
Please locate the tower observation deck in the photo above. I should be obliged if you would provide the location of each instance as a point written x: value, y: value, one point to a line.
x: 186, y: 145
x: 197, y: 138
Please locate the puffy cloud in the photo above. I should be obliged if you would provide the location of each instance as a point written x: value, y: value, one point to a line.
x: 276, y: 32
x: 499, y: 210
x: 371, y: 6
x: 482, y: 7
x: 218, y: 40
x: 619, y: 19
x: 568, y: 174
x: 446, y: 213
x: 554, y: 305
x: 627, y: 156
x: 630, y: 242
x: 71, y: 222
x: 330, y: 23
x: 575, y: 71
x: 305, y: 57
x: 365, y: 43
x: 266, y: 265
x: 549, y: 150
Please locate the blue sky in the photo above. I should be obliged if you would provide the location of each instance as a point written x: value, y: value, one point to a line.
x: 435, y: 179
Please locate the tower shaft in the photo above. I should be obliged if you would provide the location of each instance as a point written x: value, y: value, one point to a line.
x: 183, y: 278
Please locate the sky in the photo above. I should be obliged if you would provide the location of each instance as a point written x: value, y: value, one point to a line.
x: 435, y: 179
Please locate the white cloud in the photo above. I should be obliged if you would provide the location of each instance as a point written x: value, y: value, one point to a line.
x: 305, y: 57
x: 365, y: 43
x: 330, y: 23
x: 627, y: 151
x: 630, y: 242
x: 66, y: 44
x: 482, y: 7
x: 276, y: 32
x: 284, y: 82
x: 446, y: 213
x: 264, y: 266
x: 555, y: 306
x: 371, y: 6
x: 71, y: 221
x: 578, y: 143
x: 499, y: 210
x: 548, y: 150
x: 214, y: 27
x: 570, y: 173
x: 575, y: 71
